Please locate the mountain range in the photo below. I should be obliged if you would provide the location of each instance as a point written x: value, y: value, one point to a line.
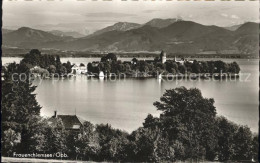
x: 125, y: 26
x: 73, y: 34
x: 171, y: 35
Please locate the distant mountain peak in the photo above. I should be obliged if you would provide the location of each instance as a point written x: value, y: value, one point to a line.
x: 161, y: 23
x: 26, y: 36
x: 28, y: 30
x: 23, y: 29
x: 248, y: 28
x: 120, y: 23
x: 119, y: 26
x: 124, y: 26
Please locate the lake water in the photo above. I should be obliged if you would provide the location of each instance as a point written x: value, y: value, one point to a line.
x: 125, y: 103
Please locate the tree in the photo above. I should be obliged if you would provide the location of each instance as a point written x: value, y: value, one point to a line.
x: 90, y: 67
x: 114, y: 67
x: 151, y: 121
x: 19, y: 104
x: 112, y: 143
x: 161, y: 66
x: 150, y: 144
x: 9, y: 142
x: 128, y: 68
x: 189, y: 118
x: 163, y: 150
x: 243, y: 139
x: 56, y: 136
x: 182, y: 69
x: 134, y: 60
x: 195, y: 67
x: 57, y: 60
x: 46, y: 61
x: 157, y: 59
x: 68, y: 66
x: 101, y: 66
x: 221, y: 66
x: 234, y: 68
x: 34, y: 136
x: 109, y: 57
x: 62, y: 70
x: 225, y: 133
x: 204, y: 67
x: 18, y: 99
x: 255, y: 148
x: 86, y: 143
x: 143, y: 66
x: 121, y: 67
x: 52, y: 69
x: 171, y: 67
x: 143, y: 147
x: 34, y: 58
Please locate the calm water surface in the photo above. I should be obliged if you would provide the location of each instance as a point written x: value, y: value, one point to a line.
x: 125, y: 103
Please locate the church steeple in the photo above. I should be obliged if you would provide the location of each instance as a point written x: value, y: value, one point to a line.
x: 163, y: 56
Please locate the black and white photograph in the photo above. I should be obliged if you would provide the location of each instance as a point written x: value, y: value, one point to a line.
x: 130, y: 81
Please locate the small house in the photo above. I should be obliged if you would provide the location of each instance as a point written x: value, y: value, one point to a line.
x: 70, y: 122
x: 79, y: 69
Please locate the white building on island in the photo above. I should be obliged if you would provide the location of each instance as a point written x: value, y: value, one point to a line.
x: 79, y: 69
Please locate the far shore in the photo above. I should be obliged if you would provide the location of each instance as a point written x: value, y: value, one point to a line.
x: 171, y: 57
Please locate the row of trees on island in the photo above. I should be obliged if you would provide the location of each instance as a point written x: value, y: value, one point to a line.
x: 187, y: 129
x: 48, y: 64
x: 110, y: 64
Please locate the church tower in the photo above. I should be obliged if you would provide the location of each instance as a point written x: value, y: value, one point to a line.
x: 163, y: 57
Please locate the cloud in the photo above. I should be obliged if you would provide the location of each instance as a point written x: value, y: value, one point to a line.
x: 109, y: 14
x: 224, y: 15
x: 150, y: 11
x: 100, y: 21
x: 234, y: 17
x: 228, y: 8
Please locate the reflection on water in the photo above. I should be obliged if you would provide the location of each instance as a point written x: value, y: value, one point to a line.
x: 125, y: 103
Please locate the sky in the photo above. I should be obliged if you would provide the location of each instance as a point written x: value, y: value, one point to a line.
x: 87, y: 16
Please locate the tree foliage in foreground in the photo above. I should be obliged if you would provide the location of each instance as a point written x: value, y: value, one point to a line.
x: 19, y: 104
x: 188, y: 118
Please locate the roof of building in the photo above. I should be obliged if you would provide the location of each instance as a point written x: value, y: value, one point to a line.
x: 163, y: 54
x: 70, y: 121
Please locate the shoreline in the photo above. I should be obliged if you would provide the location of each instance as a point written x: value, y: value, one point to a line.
x: 147, y: 57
